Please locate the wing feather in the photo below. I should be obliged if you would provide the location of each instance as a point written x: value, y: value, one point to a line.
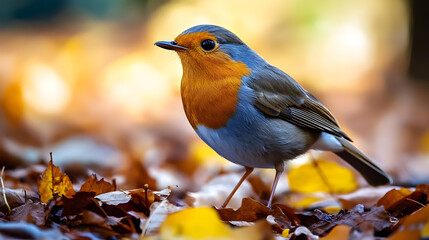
x: 278, y: 95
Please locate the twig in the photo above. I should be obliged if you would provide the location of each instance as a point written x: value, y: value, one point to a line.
x: 4, y: 191
x: 52, y: 174
x: 146, y: 187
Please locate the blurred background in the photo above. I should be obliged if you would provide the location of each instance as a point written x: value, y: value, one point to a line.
x: 82, y: 79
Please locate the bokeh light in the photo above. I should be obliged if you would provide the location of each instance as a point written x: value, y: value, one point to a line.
x: 135, y: 86
x: 44, y: 90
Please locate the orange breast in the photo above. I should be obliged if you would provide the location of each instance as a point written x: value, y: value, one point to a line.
x: 210, y: 87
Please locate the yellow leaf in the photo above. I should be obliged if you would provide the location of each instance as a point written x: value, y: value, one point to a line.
x: 326, y: 177
x: 332, y: 209
x: 54, y: 182
x: 306, y: 201
x: 202, y: 153
x: 285, y: 233
x: 194, y: 223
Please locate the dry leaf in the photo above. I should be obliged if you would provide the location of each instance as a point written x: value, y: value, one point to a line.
x: 423, y: 188
x: 137, y: 196
x: 79, y: 202
x: 367, y: 196
x: 29, y: 212
x: 412, y: 226
x: 98, y: 186
x: 284, y: 216
x: 91, y: 218
x: 15, y: 197
x: 158, y: 213
x: 393, y: 196
x: 142, y: 196
x: 94, y: 223
x: 54, y: 182
x: 399, y: 203
x: 249, y: 211
x: 114, y: 198
x: 377, y: 217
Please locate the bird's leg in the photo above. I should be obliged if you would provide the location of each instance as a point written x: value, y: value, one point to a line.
x: 279, y: 170
x: 249, y: 170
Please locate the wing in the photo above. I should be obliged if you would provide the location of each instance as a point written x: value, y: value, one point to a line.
x: 278, y: 95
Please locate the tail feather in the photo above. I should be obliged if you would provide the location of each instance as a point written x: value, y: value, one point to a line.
x: 371, y: 172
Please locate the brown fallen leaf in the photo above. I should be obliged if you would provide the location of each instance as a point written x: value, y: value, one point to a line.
x: 376, y: 216
x: 54, y: 182
x: 97, y: 186
x: 92, y: 218
x: 288, y: 212
x: 142, y: 196
x: 136, y: 174
x: 283, y: 217
x: 393, y: 196
x: 78, y: 203
x: 404, y: 202
x: 15, y: 198
x: 424, y: 188
x: 142, y: 199
x: 249, y: 211
x: 103, y: 222
x: 367, y: 196
x: 29, y: 212
x: 411, y: 227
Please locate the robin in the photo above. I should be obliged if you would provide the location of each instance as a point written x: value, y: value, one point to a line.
x: 252, y: 113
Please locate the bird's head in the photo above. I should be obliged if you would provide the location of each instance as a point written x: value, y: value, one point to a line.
x: 207, y: 49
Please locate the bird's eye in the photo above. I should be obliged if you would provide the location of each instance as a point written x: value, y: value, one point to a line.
x: 208, y: 45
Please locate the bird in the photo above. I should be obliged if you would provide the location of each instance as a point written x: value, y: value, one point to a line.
x: 251, y: 112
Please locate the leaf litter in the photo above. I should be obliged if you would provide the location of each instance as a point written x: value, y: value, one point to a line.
x: 99, y: 210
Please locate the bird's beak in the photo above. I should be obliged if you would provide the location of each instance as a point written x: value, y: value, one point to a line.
x: 170, y: 45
